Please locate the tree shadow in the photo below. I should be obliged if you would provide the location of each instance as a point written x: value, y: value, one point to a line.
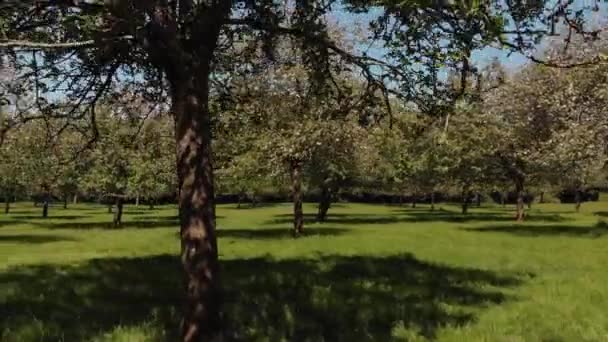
x: 336, y: 298
x: 601, y: 213
x: 135, y: 224
x: 595, y: 231
x: 50, y: 217
x: 26, y: 238
x: 278, y: 233
x: 416, y: 216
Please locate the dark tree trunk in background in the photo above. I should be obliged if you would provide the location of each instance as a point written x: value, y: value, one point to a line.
x: 65, y: 201
x: 478, y: 199
x: 45, y: 206
x: 296, y: 193
x: 118, y: 213
x: 542, y: 197
x: 239, y: 199
x: 137, y: 200
x: 432, y: 201
x: 324, y: 204
x: 414, y: 199
x: 504, y: 196
x: 7, y: 204
x: 151, y: 204
x: 75, y: 201
x: 109, y: 208
x: 465, y: 201
x: 401, y: 200
x: 578, y: 200
x: 520, y: 211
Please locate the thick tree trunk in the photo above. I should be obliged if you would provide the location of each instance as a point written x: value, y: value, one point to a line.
x: 432, y: 201
x: 324, y: 204
x: 118, y: 213
x: 520, y: 211
x: 199, y: 253
x: 578, y: 200
x: 296, y: 193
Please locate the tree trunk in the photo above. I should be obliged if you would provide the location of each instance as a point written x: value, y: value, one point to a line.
x: 118, y: 213
x: 542, y: 197
x: 414, y: 201
x: 65, y: 201
x: 109, y: 208
x: 151, y: 204
x: 504, y: 196
x: 296, y: 193
x: 478, y: 199
x: 432, y: 201
x: 7, y: 204
x: 578, y: 200
x: 519, y: 190
x: 75, y: 201
x: 324, y: 204
x: 45, y: 206
x: 465, y: 200
x: 137, y: 200
x: 199, y: 253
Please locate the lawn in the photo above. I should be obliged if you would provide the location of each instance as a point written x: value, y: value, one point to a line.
x: 369, y: 273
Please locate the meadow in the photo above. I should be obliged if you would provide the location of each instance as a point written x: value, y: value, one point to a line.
x: 370, y: 273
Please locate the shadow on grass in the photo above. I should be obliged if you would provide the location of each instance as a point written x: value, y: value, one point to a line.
x: 544, y: 230
x: 416, y: 216
x: 25, y: 238
x: 137, y: 224
x: 50, y: 217
x: 334, y: 299
x: 278, y: 233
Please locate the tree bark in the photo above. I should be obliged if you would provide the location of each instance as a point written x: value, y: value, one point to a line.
x: 137, y: 200
x: 414, y: 198
x: 7, y: 204
x: 199, y: 253
x: 151, y: 204
x: 520, y: 211
x: 109, y: 208
x: 578, y: 200
x: 65, y: 201
x: 432, y: 201
x: 75, y: 201
x: 118, y: 213
x: 324, y: 203
x: 478, y: 199
x: 296, y: 193
x: 504, y: 195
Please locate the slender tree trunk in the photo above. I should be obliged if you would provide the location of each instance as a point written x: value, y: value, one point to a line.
x: 578, y: 200
x: 109, y: 208
x: 75, y: 201
x: 324, y: 204
x: 239, y: 199
x: 414, y: 198
x: 137, y: 200
x: 151, y: 204
x: 432, y: 201
x: 478, y: 199
x: 7, y: 204
x: 45, y: 206
x: 296, y: 193
x: 505, y: 196
x: 118, y: 213
x: 465, y: 200
x: 520, y: 211
x: 65, y: 201
x: 542, y: 197
x: 199, y: 253
x: 400, y: 200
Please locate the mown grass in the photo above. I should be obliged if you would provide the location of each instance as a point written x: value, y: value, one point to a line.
x: 369, y: 273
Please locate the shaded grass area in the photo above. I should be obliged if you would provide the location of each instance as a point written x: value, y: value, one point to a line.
x: 334, y: 298
x: 370, y: 273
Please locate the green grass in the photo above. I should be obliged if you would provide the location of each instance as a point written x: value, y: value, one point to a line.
x: 369, y: 273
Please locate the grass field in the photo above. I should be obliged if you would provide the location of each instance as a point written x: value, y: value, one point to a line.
x: 369, y: 273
